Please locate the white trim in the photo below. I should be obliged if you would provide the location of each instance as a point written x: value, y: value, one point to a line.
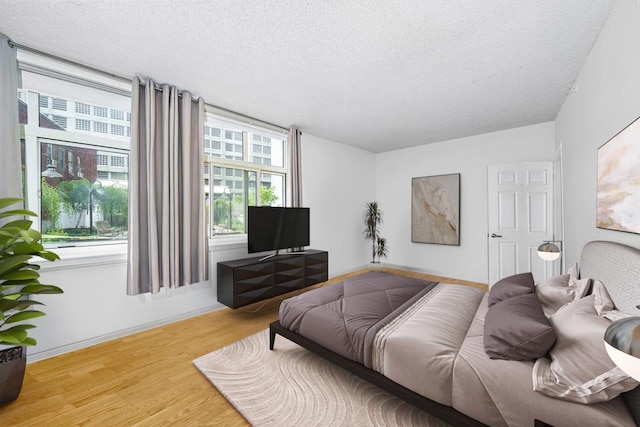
x: 85, y: 256
x: 225, y: 243
x: 118, y: 334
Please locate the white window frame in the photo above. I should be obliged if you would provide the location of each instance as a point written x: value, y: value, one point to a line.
x: 231, y: 241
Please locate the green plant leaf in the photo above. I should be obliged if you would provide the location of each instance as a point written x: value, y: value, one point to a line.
x: 8, y: 201
x: 22, y: 327
x: 22, y: 224
x: 21, y: 275
x: 40, y: 289
x: 8, y: 304
x: 10, y: 338
x: 24, y: 315
x: 11, y: 263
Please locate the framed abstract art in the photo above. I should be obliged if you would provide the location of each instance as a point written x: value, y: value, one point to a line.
x: 618, y: 195
x: 435, y: 209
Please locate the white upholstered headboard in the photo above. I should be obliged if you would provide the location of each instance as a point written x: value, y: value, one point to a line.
x: 617, y: 266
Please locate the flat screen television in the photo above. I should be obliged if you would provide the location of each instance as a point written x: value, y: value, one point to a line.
x: 274, y: 228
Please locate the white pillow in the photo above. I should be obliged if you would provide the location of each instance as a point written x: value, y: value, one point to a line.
x: 560, y: 290
x: 580, y: 370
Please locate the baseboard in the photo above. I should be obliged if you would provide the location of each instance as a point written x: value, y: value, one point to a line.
x: 57, y: 351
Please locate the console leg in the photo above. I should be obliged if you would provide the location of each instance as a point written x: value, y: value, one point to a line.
x: 272, y: 338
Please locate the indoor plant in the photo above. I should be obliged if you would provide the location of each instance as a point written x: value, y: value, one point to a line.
x: 19, y: 280
x: 372, y: 220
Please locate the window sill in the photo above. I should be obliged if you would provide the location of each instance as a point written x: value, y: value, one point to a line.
x: 85, y: 256
x: 225, y: 243
x: 99, y: 255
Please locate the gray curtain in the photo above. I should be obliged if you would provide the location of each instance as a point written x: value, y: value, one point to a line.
x: 167, y: 238
x: 10, y: 167
x: 294, y: 139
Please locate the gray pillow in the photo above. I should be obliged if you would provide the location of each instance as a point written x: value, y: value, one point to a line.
x: 580, y: 370
x: 509, y: 287
x: 517, y: 329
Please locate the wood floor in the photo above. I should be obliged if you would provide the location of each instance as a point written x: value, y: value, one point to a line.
x: 145, y: 379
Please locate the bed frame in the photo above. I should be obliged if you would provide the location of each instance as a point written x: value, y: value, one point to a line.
x: 616, y: 265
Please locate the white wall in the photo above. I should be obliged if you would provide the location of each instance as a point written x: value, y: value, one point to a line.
x: 606, y: 99
x: 470, y: 157
x: 337, y: 181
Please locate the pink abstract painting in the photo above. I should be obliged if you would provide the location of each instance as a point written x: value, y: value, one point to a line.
x: 618, y: 199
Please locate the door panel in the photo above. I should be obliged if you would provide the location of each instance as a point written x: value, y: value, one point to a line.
x: 520, y: 217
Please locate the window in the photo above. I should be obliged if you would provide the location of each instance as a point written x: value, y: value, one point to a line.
x: 100, y: 111
x: 101, y: 127
x: 81, y: 187
x: 117, y: 130
x: 117, y: 161
x: 82, y: 108
x: 60, y: 121
x: 59, y: 104
x: 117, y: 115
x: 239, y: 182
x: 119, y: 176
x: 102, y: 160
x: 84, y: 125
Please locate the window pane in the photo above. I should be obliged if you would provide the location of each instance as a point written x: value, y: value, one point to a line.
x: 83, y: 108
x: 64, y: 113
x: 59, y: 104
x: 100, y: 111
x: 265, y: 150
x: 83, y: 203
x: 272, y: 189
x: 101, y: 127
x: 83, y: 125
x: 229, y: 204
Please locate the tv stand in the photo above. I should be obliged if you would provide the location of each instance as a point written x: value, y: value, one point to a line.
x: 245, y: 281
x: 277, y: 254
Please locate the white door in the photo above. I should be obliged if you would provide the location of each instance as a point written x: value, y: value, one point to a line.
x: 520, y: 219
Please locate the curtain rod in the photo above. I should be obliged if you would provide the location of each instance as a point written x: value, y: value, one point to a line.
x: 251, y: 120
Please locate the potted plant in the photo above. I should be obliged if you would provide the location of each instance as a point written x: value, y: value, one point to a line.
x: 372, y: 220
x: 19, y: 280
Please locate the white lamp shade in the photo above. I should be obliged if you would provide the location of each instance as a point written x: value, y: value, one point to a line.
x: 622, y: 342
x: 548, y: 251
x: 629, y: 364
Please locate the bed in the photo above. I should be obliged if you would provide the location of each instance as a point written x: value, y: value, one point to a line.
x: 428, y: 342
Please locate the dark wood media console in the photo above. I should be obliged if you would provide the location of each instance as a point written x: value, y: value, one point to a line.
x: 249, y: 280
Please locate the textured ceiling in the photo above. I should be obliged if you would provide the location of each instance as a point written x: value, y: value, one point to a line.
x: 375, y: 74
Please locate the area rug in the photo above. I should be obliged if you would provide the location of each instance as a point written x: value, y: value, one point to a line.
x: 290, y: 386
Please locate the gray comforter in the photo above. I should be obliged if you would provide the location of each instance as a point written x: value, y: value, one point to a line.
x: 346, y: 316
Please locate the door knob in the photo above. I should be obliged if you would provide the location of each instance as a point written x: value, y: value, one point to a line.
x: 494, y: 235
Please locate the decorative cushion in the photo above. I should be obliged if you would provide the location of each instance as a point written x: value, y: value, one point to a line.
x: 518, y: 284
x: 580, y: 370
x: 603, y: 303
x: 517, y: 329
x: 560, y: 290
